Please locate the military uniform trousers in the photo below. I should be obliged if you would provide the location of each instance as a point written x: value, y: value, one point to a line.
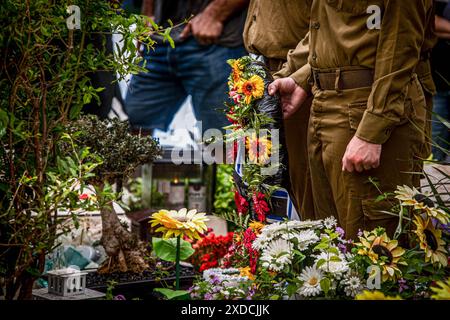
x: 351, y: 197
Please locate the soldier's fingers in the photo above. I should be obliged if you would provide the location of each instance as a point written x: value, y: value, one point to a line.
x: 376, y: 164
x: 273, y: 87
x: 347, y: 165
x: 358, y: 166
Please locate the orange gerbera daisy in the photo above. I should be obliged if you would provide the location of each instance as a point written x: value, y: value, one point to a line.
x: 259, y: 149
x: 252, y: 88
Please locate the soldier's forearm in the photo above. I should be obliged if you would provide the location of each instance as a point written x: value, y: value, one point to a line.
x: 147, y: 8
x: 221, y: 10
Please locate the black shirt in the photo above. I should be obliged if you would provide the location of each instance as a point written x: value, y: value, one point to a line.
x: 179, y: 10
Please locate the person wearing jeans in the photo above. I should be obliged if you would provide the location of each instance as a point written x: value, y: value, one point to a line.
x: 196, y: 66
x: 441, y: 75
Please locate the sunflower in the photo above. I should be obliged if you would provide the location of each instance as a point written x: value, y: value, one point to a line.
x: 431, y: 241
x: 382, y: 251
x: 252, y: 88
x: 375, y: 295
x: 421, y: 201
x: 180, y: 223
x: 259, y: 149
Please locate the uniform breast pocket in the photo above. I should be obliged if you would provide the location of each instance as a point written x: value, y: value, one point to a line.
x: 349, y: 6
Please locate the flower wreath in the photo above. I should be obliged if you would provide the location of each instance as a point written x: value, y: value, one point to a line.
x: 247, y: 84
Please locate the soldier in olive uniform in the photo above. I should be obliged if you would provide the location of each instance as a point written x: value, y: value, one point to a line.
x: 272, y: 29
x: 368, y: 116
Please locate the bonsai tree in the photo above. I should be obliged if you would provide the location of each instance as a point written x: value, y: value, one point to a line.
x: 121, y: 152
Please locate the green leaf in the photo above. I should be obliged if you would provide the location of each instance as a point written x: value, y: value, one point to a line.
x: 335, y: 259
x: 334, y: 250
x: 166, y: 249
x: 321, y: 246
x: 173, y: 294
x: 325, y: 285
x: 320, y: 263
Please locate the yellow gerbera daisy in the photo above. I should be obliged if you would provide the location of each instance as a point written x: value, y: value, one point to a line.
x: 256, y: 226
x: 375, y: 295
x: 384, y: 252
x: 252, y: 88
x: 431, y: 241
x: 180, y: 223
x: 259, y: 149
x: 421, y: 201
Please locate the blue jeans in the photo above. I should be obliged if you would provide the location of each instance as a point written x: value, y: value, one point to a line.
x: 440, y: 133
x: 173, y: 74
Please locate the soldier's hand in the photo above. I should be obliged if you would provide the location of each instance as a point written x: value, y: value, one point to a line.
x: 292, y: 95
x: 361, y: 155
x: 204, y: 27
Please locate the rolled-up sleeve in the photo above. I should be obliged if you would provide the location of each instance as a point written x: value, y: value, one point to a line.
x: 398, y: 52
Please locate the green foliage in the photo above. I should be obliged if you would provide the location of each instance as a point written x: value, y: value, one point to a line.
x: 173, y: 294
x: 224, y: 196
x: 45, y: 80
x: 109, y: 289
x: 166, y: 249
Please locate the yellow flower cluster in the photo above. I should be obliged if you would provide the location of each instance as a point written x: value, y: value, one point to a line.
x: 251, y: 88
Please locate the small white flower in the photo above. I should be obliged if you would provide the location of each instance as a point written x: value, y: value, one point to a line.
x: 337, y: 268
x: 330, y: 222
x: 352, y: 284
x: 306, y: 238
x: 311, y: 278
x: 277, y: 255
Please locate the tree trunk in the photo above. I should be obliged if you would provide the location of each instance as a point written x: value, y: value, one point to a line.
x: 125, y: 252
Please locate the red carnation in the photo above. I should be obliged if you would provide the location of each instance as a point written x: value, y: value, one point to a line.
x: 260, y: 205
x: 241, y: 203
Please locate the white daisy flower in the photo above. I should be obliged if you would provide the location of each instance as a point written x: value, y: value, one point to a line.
x: 305, y: 238
x: 330, y: 222
x: 277, y: 255
x: 311, y: 278
x: 261, y: 242
x: 352, y: 284
x: 337, y: 268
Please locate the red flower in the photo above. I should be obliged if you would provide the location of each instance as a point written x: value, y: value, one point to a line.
x: 231, y: 116
x: 241, y: 203
x: 83, y: 196
x: 249, y: 237
x: 260, y: 205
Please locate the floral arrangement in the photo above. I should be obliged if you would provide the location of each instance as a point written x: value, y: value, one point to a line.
x: 249, y: 130
x: 314, y: 260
